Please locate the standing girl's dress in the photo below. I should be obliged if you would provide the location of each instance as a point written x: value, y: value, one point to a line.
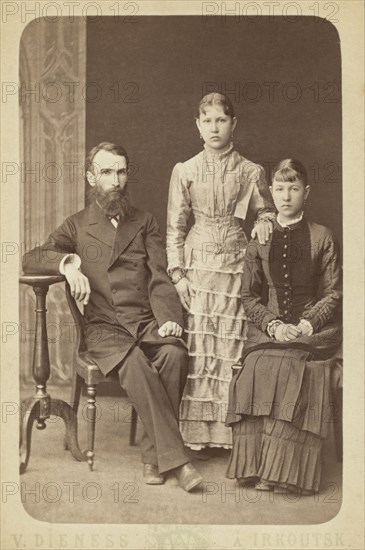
x: 217, y: 189
x: 281, y: 400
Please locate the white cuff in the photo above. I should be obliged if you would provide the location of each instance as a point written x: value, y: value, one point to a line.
x: 305, y: 327
x: 73, y: 259
x: 272, y: 326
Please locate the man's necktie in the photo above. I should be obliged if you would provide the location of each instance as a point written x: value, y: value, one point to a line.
x: 114, y: 220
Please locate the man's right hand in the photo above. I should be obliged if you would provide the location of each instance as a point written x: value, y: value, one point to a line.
x: 185, y: 292
x: 79, y: 284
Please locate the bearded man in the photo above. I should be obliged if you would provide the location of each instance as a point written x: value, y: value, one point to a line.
x: 113, y: 258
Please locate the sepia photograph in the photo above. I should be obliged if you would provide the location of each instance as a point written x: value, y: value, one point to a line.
x: 177, y: 265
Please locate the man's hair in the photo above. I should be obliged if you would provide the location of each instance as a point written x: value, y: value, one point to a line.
x: 104, y: 146
x: 290, y: 170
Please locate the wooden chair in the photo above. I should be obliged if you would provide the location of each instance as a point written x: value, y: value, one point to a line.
x: 87, y: 371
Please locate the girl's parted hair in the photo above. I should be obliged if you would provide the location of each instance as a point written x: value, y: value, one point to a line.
x: 290, y: 170
x: 215, y: 99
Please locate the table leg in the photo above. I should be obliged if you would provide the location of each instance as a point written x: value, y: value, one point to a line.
x: 65, y: 411
x: 31, y: 408
x: 40, y: 406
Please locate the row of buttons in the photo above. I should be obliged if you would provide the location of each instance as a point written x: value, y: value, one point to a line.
x: 137, y: 287
x: 284, y: 253
x: 286, y: 275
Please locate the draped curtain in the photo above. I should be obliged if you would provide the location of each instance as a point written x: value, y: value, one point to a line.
x: 52, y: 128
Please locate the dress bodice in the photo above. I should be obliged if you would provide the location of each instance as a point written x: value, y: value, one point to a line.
x: 301, y: 266
x: 217, y: 189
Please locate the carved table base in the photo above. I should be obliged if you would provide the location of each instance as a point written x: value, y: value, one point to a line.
x: 40, y: 407
x: 31, y: 412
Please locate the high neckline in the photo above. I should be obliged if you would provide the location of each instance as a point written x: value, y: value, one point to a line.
x: 295, y: 224
x: 217, y: 154
x: 291, y: 222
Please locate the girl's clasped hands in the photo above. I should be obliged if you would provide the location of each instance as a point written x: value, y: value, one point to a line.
x: 283, y: 332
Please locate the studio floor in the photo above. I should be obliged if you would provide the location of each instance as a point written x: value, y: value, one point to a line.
x: 56, y: 488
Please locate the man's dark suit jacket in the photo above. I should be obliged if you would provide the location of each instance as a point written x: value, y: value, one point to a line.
x: 126, y: 268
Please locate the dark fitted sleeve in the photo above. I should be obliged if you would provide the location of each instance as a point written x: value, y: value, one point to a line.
x: 253, y: 278
x: 46, y: 259
x: 261, y: 202
x: 163, y: 297
x: 330, y: 284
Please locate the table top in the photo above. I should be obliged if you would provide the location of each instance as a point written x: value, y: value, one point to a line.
x: 40, y: 280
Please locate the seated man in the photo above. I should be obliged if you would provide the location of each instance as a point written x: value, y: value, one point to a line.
x: 113, y: 259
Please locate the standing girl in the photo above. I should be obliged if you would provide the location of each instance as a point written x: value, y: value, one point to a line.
x: 216, y: 187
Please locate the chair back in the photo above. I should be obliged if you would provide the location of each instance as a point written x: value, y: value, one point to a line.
x: 78, y: 320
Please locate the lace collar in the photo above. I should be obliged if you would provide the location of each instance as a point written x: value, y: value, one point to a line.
x: 219, y: 155
x: 291, y: 222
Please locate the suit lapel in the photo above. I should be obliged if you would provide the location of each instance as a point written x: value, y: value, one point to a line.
x: 124, y: 235
x: 100, y: 227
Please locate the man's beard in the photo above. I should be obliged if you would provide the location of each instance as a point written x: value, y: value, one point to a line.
x: 115, y: 202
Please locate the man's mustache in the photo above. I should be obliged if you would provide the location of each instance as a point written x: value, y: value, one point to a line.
x: 114, y: 193
x: 117, y: 191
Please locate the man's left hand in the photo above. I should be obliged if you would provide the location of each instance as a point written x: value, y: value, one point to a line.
x: 262, y: 231
x: 170, y: 329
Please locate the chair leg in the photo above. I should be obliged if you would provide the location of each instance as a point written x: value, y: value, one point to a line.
x: 91, y: 419
x: 338, y: 426
x: 77, y: 382
x: 132, y: 433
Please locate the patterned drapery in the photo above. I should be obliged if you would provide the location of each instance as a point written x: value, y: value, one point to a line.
x: 52, y: 128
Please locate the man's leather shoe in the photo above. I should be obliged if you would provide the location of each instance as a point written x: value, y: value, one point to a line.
x: 187, y: 476
x: 151, y: 475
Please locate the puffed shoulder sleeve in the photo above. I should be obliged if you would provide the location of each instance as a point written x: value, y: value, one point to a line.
x: 254, y: 193
x: 261, y: 202
x: 330, y: 284
x: 178, y: 213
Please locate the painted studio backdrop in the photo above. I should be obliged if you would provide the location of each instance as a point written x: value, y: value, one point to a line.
x: 138, y: 82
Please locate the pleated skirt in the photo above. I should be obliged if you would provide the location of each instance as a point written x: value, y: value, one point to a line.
x: 275, y: 451
x: 281, y: 405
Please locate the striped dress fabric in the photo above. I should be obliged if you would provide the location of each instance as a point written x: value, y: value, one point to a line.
x: 214, y: 191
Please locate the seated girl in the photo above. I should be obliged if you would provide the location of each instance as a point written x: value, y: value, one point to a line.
x: 280, y: 399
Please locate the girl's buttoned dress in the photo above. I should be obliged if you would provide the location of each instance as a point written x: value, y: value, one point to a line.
x: 282, y: 398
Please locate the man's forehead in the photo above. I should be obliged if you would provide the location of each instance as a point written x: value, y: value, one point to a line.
x: 106, y: 159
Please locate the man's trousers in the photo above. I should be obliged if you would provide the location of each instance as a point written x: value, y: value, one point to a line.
x: 153, y: 374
